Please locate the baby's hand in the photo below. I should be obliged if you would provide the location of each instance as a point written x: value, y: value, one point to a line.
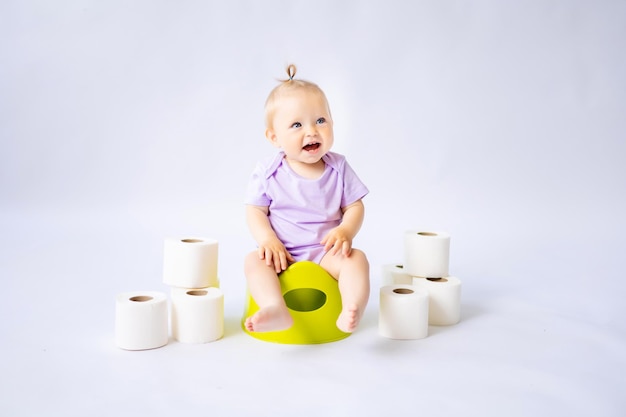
x: 275, y: 253
x: 337, y: 241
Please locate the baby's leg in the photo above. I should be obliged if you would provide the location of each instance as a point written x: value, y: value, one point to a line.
x: 265, y: 289
x: 352, y: 274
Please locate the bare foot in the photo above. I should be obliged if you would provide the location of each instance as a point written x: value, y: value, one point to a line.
x: 349, y: 319
x: 269, y: 319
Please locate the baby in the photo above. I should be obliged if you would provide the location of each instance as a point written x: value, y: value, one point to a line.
x: 303, y: 204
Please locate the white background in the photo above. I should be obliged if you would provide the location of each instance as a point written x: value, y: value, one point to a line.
x: 501, y: 122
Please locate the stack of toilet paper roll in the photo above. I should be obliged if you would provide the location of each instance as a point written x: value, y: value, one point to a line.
x: 197, y: 303
x: 190, y: 268
x: 420, y: 291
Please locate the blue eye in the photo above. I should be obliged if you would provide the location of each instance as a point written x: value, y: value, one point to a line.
x: 321, y: 120
x: 296, y: 125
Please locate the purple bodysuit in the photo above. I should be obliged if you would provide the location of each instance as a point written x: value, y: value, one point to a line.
x: 301, y: 210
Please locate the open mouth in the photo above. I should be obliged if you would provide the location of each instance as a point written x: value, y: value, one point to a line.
x: 311, y: 146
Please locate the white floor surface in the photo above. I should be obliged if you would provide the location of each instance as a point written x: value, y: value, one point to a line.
x: 525, y: 345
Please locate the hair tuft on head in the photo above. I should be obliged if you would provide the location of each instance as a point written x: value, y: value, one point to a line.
x: 291, y: 72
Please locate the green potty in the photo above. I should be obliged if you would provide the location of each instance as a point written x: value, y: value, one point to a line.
x: 312, y: 296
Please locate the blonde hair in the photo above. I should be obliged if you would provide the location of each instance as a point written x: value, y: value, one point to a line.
x: 288, y: 86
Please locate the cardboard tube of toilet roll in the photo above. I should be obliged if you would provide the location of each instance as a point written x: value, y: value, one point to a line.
x: 445, y: 299
x: 190, y: 262
x: 403, y: 312
x: 426, y: 254
x: 197, y: 314
x: 141, y: 320
x: 394, y: 274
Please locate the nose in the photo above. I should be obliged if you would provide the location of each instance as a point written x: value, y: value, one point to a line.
x: 311, y: 130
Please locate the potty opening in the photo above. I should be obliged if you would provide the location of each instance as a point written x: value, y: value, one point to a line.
x: 305, y: 299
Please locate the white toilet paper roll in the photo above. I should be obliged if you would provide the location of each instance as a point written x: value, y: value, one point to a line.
x: 426, y: 254
x: 197, y: 314
x: 445, y: 299
x: 190, y: 262
x: 394, y: 274
x: 141, y: 320
x: 403, y: 312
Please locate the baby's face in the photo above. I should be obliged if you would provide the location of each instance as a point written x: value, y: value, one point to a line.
x: 302, y: 127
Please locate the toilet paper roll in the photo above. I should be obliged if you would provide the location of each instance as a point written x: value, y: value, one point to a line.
x: 403, y: 312
x: 141, y: 320
x: 445, y: 299
x: 394, y: 274
x: 426, y: 254
x: 190, y: 262
x: 197, y: 314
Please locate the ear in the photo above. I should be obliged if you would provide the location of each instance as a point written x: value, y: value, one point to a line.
x: 271, y: 136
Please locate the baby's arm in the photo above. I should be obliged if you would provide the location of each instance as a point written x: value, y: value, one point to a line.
x: 340, y: 238
x: 270, y: 247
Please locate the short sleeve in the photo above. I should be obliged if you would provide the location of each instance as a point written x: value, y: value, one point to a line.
x: 256, y: 194
x: 353, y: 187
